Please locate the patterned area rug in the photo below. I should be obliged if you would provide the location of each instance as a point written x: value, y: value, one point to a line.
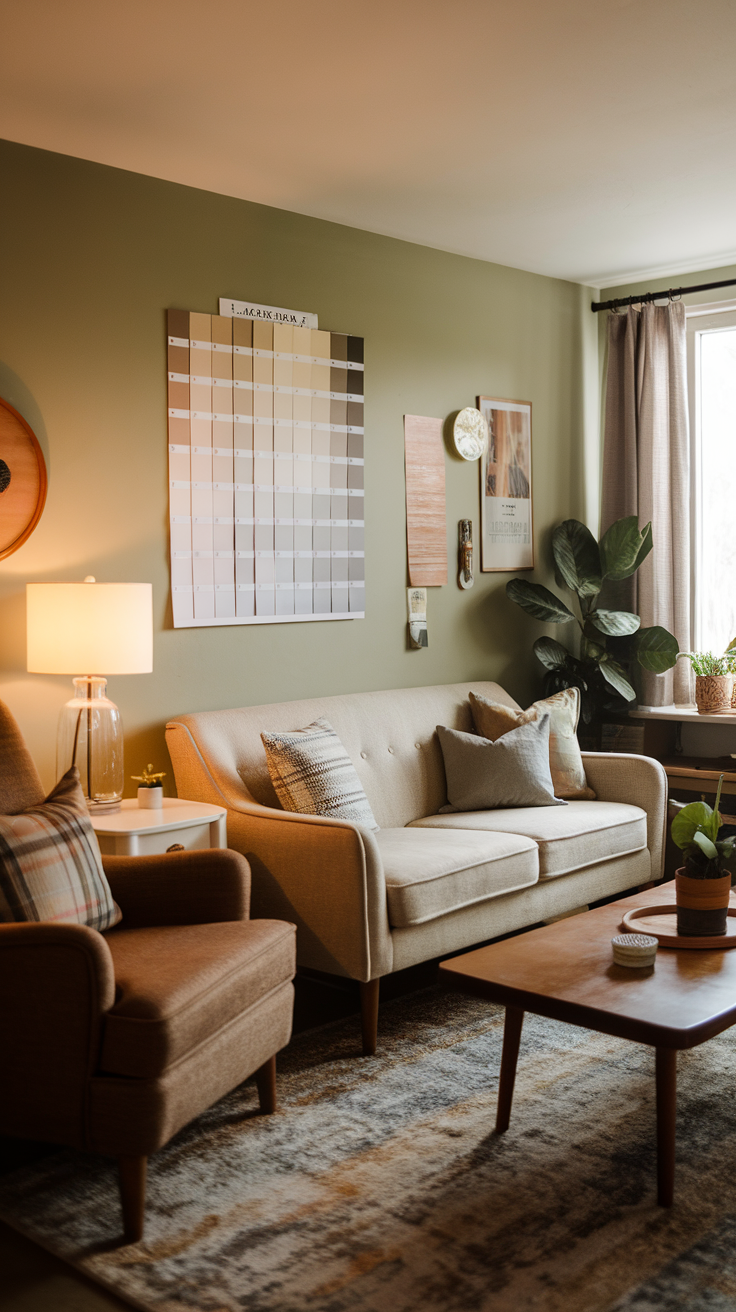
x: 379, y: 1186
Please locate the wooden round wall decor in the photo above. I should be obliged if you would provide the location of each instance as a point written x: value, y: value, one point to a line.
x: 22, y: 480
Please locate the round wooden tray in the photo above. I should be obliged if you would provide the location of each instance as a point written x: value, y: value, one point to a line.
x: 661, y: 922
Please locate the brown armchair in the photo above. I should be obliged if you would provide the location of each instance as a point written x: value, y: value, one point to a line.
x: 112, y: 1042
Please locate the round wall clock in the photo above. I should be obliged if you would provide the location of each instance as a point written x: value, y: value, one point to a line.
x: 470, y: 432
x: 22, y: 480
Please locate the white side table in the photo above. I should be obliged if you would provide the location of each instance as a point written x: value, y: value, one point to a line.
x: 135, y: 831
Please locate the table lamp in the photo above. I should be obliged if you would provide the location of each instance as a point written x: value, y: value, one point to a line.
x: 95, y: 627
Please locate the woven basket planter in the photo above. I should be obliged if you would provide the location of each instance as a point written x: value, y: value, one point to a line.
x: 713, y: 693
x: 702, y: 904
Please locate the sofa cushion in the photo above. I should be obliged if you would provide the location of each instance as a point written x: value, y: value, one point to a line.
x: 177, y: 985
x: 431, y: 874
x: 569, y: 838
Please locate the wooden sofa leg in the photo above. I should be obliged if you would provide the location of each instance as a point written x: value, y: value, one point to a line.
x: 266, y: 1082
x: 369, y: 1015
x: 132, y: 1173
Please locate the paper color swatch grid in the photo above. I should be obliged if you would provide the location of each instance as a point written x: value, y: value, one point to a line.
x: 265, y: 472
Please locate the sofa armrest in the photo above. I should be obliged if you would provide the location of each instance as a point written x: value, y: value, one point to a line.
x: 324, y: 875
x: 640, y: 781
x: 180, y: 888
x: 56, y: 984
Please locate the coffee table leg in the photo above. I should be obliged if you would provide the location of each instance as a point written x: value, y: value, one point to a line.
x: 666, y: 1073
x: 511, y: 1036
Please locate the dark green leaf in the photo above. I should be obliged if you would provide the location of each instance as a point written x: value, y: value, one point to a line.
x: 646, y: 547
x: 656, y: 649
x: 623, y: 548
x: 619, y: 547
x: 576, y: 556
x: 616, y: 623
x: 614, y: 675
x: 687, y: 821
x: 552, y: 654
x: 538, y: 601
x: 592, y: 651
x: 564, y: 676
x: 732, y: 645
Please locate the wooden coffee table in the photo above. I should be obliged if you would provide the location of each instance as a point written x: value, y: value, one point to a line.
x: 566, y: 971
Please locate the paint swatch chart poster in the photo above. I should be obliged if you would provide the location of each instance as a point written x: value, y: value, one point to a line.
x: 265, y: 427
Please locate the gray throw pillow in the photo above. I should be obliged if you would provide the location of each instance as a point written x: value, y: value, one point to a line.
x: 513, y: 771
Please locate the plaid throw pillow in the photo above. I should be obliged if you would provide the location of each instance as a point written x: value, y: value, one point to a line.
x: 50, y: 867
x: 313, y: 774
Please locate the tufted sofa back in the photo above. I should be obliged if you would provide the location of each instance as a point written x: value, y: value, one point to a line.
x: 390, y: 737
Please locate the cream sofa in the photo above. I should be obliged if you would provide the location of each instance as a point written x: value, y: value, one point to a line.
x: 425, y: 885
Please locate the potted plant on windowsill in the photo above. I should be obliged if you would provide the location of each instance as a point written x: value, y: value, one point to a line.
x: 703, y: 884
x: 713, y: 681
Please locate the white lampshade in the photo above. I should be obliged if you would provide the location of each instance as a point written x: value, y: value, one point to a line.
x: 89, y: 628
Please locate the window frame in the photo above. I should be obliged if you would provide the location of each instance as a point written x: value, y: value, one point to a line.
x: 699, y: 320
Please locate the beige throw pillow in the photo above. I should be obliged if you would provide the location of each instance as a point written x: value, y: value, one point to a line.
x: 493, y: 719
x: 313, y: 774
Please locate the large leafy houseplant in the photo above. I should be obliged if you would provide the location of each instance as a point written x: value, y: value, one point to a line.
x: 584, y: 565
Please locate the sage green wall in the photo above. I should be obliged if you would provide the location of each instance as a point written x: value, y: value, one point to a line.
x: 90, y: 257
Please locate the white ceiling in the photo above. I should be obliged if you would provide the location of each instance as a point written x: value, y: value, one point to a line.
x: 587, y: 139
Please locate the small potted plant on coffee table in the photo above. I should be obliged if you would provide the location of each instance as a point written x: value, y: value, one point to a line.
x: 703, y: 884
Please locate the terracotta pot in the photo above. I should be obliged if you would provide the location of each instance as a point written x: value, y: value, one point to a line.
x: 713, y: 693
x: 702, y: 904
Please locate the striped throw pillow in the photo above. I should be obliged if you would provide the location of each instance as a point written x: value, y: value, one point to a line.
x: 50, y: 866
x: 313, y: 774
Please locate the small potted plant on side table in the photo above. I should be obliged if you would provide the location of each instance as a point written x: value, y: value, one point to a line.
x: 703, y: 884
x: 150, y: 788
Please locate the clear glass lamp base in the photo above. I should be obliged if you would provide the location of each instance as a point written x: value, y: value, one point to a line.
x: 90, y: 736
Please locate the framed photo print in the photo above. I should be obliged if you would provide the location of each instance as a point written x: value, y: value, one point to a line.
x: 507, y: 540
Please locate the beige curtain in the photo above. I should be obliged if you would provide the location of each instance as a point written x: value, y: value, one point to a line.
x: 646, y: 472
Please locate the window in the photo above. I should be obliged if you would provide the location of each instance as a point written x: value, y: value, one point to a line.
x: 711, y: 345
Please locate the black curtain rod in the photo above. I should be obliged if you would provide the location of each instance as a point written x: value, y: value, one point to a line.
x: 658, y: 296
